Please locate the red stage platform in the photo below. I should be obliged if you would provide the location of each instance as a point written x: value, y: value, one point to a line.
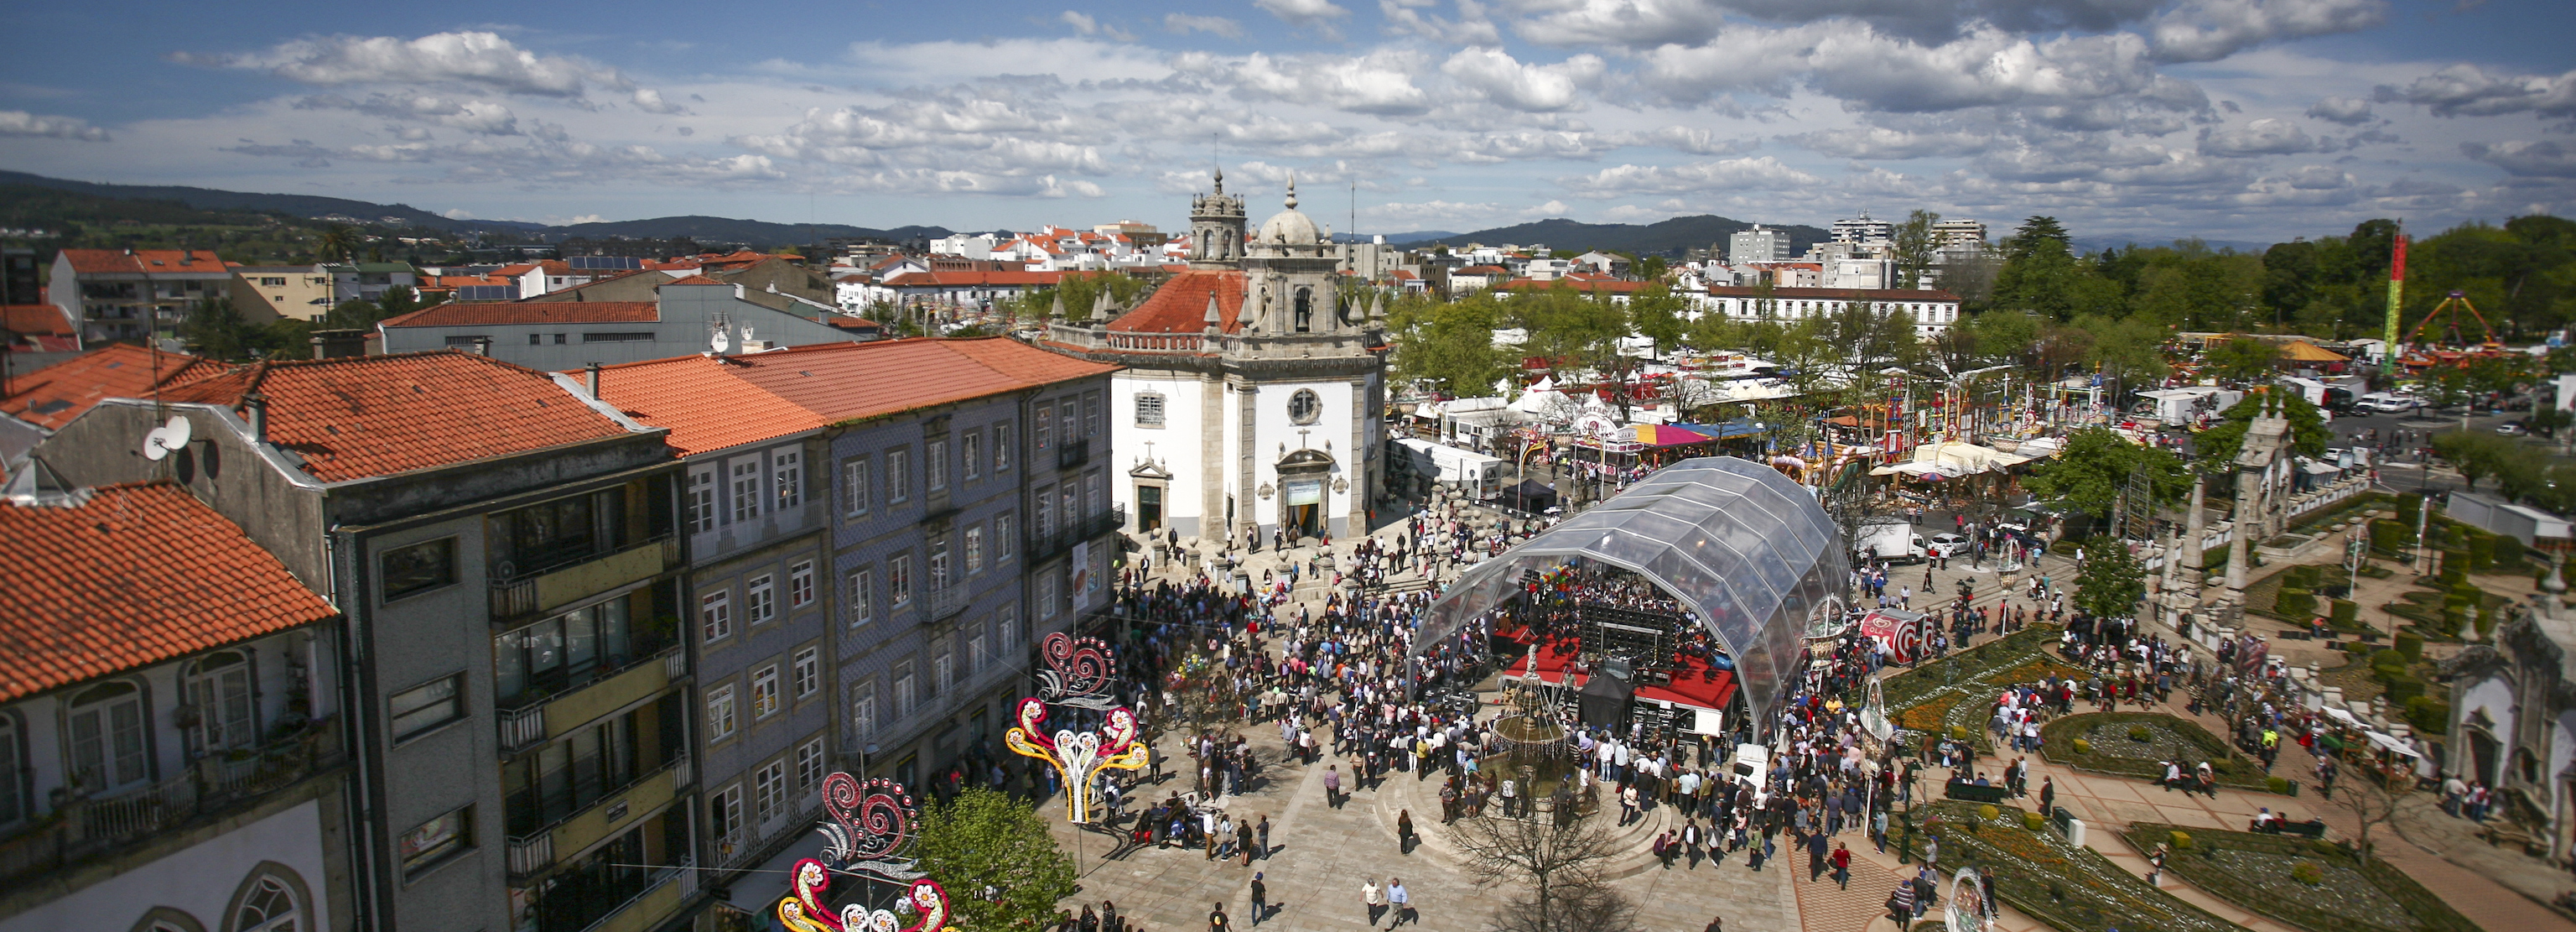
x: 1693, y: 683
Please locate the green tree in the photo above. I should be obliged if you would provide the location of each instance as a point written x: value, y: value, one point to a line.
x: 1448, y: 346
x: 1658, y: 315
x: 994, y: 856
x: 399, y: 300
x: 2095, y: 468
x: 1913, y: 247
x: 2242, y: 360
x: 2218, y: 445
x: 2111, y: 581
x: 337, y: 243
x: 217, y: 330
x: 353, y: 314
x: 2476, y: 455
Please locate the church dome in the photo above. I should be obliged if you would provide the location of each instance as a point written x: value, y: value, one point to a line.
x: 1289, y: 227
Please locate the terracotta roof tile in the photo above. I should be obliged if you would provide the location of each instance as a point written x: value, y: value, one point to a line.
x: 52, y: 396
x: 710, y: 404
x: 971, y: 279
x: 1180, y: 306
x: 483, y: 314
x: 138, y: 575
x: 35, y: 320
x: 356, y: 417
x: 155, y: 261
x: 693, y: 280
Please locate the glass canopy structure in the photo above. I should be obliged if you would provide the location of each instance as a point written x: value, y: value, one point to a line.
x: 1752, y: 552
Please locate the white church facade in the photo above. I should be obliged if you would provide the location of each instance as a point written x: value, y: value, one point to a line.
x: 1254, y: 386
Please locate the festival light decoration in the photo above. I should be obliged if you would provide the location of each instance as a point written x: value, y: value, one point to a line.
x: 805, y: 909
x: 869, y: 822
x: 1079, y: 672
x: 1078, y: 755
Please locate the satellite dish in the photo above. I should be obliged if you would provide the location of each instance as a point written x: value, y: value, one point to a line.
x: 722, y: 340
x: 166, y: 438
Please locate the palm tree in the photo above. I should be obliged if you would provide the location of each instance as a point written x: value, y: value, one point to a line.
x: 336, y: 244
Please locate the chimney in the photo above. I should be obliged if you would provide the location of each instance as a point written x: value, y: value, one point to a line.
x: 255, y: 410
x: 333, y: 344
x: 590, y: 380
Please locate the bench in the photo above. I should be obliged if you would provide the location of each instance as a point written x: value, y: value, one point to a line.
x: 1961, y: 789
x: 2313, y: 828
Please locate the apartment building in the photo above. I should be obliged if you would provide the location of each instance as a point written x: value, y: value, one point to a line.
x: 268, y: 292
x: 127, y: 294
x: 506, y: 554
x: 678, y: 317
x: 183, y: 767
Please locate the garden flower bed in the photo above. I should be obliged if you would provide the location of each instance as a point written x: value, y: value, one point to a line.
x: 2111, y: 748
x: 1960, y: 689
x: 2256, y: 872
x: 2069, y: 888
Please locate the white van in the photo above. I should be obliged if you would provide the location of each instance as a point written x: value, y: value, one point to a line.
x: 1894, y: 542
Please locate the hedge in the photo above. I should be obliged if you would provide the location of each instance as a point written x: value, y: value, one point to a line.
x: 2410, y: 508
x: 2058, y: 746
x: 2389, y: 536
x: 2428, y: 912
x: 2295, y: 604
x: 2347, y: 613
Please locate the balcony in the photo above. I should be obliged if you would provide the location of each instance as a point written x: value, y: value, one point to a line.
x: 1072, y: 454
x: 746, y: 845
x: 1042, y: 546
x: 531, y: 854
x: 545, y: 589
x: 944, y: 602
x: 534, y: 720
x: 629, y: 900
x: 213, y: 787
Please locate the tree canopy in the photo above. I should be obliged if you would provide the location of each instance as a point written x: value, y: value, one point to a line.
x: 993, y: 854
x: 2095, y: 467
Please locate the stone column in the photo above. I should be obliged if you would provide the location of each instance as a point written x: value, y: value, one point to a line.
x: 2195, y: 525
x: 2241, y: 528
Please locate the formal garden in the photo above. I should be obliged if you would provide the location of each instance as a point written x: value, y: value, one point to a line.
x: 1954, y: 695
x: 2136, y: 744
x: 2070, y: 888
x: 2309, y: 883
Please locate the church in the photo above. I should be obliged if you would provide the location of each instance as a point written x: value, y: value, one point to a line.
x: 1254, y: 387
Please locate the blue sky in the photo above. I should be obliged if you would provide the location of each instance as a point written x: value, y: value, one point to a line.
x: 2235, y: 120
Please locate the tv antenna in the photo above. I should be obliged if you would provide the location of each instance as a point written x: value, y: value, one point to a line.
x: 158, y: 443
x: 721, y: 335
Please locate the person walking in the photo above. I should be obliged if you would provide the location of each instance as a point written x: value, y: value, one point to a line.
x: 1404, y: 831
x: 2048, y: 795
x: 1261, y: 834
x: 1260, y: 898
x: 1842, y: 866
x: 1373, y: 899
x: 1815, y: 857
x: 1333, y: 785
x: 1900, y: 903
x: 2156, y: 862
x: 1217, y: 921
x: 1402, y: 901
x: 1243, y: 838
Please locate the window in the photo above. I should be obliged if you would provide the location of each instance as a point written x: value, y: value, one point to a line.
x: 760, y: 601
x: 809, y: 673
x: 854, y: 487
x: 1002, y: 448
x: 764, y: 692
x: 715, y: 614
x: 463, y: 343
x: 903, y: 699
x: 1006, y: 629
x: 559, y: 339
x: 863, y: 707
x: 273, y: 281
x: 268, y: 907
x: 975, y: 655
x: 724, y: 818
x: 1046, y: 427
x: 1046, y: 594
x: 417, y: 710
x: 720, y: 714
x: 433, y: 841
x: 769, y: 790
x: 862, y: 598
x: 899, y: 580
x: 700, y: 496
x: 536, y: 339
x: 1045, y: 514
x: 970, y: 453
x: 560, y: 650
x: 898, y: 476
x: 1003, y: 542
x: 419, y: 567
x: 107, y: 738
x: 788, y: 468
x: 746, y: 490
x: 1305, y: 407
x: 219, y: 686
x: 943, y: 670
x: 939, y: 564
x: 1091, y: 415
x: 531, y: 540
x: 1092, y: 492
x: 934, y: 464
x: 809, y: 765
x: 1149, y: 410
x: 642, y: 336
x: 974, y: 550
x: 800, y: 585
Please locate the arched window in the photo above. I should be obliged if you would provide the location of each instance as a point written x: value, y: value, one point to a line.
x: 219, y: 685
x: 1305, y: 406
x: 106, y: 732
x: 1305, y: 309
x: 268, y: 907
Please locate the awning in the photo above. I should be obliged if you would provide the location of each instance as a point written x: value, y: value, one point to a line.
x: 1665, y: 435
x: 2389, y: 744
x: 2304, y: 351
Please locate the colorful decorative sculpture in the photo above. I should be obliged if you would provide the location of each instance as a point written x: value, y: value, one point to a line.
x: 1079, y: 672
x: 1079, y: 755
x: 869, y: 822
x: 805, y: 910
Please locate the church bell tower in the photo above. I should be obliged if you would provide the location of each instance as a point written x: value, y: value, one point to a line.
x: 1216, y: 228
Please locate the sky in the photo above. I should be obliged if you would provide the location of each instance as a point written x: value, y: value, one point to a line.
x: 2231, y: 120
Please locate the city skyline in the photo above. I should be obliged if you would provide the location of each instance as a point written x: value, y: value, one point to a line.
x: 2225, y: 119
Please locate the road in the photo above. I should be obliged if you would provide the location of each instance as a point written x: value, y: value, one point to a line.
x: 2404, y: 469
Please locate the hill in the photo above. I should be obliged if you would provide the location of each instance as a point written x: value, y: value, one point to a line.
x: 1668, y: 237
x: 34, y: 208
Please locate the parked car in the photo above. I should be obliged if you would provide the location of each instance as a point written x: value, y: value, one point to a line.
x: 1946, y: 545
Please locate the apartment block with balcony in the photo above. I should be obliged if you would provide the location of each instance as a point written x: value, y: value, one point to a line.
x: 129, y: 294
x: 170, y: 732
x: 506, y: 553
x: 758, y: 617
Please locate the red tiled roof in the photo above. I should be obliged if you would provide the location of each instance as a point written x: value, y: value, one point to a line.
x: 712, y: 404
x: 970, y: 279
x: 1578, y: 284
x: 1834, y: 294
x: 34, y: 320
x: 1480, y: 270
x: 693, y: 280
x: 1180, y: 306
x: 355, y: 417
x: 52, y: 396
x: 156, y: 261
x: 138, y: 575
x: 482, y: 313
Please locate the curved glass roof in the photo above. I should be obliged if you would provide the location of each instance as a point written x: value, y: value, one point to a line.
x: 1751, y: 550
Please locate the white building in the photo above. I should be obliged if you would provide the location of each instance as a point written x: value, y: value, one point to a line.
x: 1863, y: 230
x: 1757, y: 245
x: 1959, y: 234
x: 1254, y: 383
x: 1934, y: 311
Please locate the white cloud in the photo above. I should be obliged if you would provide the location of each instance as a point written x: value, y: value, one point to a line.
x: 1691, y: 140
x: 2209, y: 30
x: 2267, y: 136
x: 650, y: 101
x: 1880, y: 142
x: 2349, y: 111
x: 2545, y: 159
x: 2468, y: 90
x: 1868, y: 70
x: 1088, y: 25
x: 1510, y: 83
x: 478, y: 58
x: 473, y: 116
x: 1761, y: 173
x: 1316, y: 14
x: 1380, y: 82
x: 1185, y: 24
x: 22, y: 123
x: 1471, y: 28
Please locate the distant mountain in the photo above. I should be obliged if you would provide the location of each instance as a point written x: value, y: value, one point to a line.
x: 2090, y: 244
x: 1669, y: 237
x: 1393, y: 239
x: 709, y: 230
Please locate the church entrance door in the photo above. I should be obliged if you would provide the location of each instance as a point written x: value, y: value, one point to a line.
x: 1302, y: 507
x: 1149, y: 508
